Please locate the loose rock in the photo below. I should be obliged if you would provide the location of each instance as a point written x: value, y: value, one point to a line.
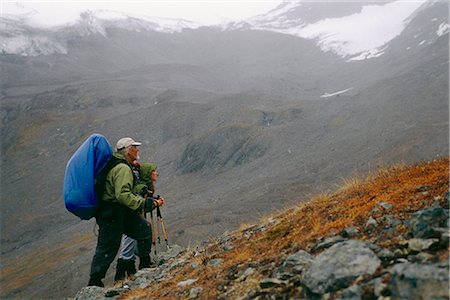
x: 419, y: 281
x: 339, y: 265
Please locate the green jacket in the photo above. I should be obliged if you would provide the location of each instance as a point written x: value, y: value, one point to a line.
x: 119, y: 186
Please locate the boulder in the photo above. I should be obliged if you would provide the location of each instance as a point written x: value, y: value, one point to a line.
x: 337, y: 267
x: 419, y: 281
x: 423, y: 223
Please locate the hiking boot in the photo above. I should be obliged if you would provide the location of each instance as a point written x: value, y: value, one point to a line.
x: 130, y: 267
x: 145, y: 262
x: 95, y: 282
x: 121, y: 268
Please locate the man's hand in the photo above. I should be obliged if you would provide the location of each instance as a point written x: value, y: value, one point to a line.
x: 151, y: 203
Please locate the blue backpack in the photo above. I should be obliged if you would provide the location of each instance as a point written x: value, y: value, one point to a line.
x: 80, y: 187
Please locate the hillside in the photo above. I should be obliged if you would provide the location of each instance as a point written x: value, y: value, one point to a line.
x: 386, y: 235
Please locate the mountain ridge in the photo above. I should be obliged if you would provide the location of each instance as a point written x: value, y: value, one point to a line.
x: 283, y: 19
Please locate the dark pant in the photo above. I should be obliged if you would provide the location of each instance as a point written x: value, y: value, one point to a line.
x: 114, y: 220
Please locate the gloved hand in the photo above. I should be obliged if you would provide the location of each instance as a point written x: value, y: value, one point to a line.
x: 151, y: 203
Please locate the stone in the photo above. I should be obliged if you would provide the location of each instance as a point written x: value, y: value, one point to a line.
x: 112, y: 293
x: 424, y: 188
x: 350, y: 232
x: 352, y: 293
x: 378, y: 287
x: 391, y: 221
x: 371, y: 225
x: 338, y: 266
x: 300, y: 258
x: 248, y: 272
x: 90, y: 292
x: 227, y: 247
x: 328, y: 243
x: 385, y: 205
x: 225, y: 237
x: 298, y: 262
x: 186, y: 282
x: 418, y: 281
x: 172, y: 252
x: 242, y: 275
x: 444, y: 240
x: 421, y: 257
x: 194, y: 293
x: 386, y: 255
x: 422, y: 223
x: 418, y: 245
x: 216, y: 262
x: 271, y: 283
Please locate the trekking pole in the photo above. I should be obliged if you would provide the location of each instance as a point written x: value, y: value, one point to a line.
x: 158, y: 216
x: 161, y: 223
x: 153, y: 233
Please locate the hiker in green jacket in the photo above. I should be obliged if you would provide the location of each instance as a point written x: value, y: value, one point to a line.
x: 146, y: 175
x: 119, y: 213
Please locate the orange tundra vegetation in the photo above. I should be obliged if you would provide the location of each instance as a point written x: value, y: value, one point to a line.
x: 301, y: 227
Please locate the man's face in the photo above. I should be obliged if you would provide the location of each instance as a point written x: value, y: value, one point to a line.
x: 133, y: 153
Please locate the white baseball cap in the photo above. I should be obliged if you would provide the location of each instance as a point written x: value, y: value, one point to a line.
x: 126, y: 142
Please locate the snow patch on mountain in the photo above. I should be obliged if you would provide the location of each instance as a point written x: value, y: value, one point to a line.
x: 357, y: 36
x: 443, y: 29
x: 326, y: 95
x: 23, y: 34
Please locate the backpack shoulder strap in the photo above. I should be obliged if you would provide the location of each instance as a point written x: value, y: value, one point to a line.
x: 100, y: 179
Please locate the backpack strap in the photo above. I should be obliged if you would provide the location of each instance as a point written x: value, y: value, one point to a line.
x: 100, y: 179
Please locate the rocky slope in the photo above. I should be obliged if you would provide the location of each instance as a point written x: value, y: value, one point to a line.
x: 385, y: 237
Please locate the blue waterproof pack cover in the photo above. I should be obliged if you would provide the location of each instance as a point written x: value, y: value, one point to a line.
x: 79, y: 180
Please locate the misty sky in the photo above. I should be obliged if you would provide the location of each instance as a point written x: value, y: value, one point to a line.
x: 49, y: 13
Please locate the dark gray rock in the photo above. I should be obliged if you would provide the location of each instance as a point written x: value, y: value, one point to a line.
x: 338, y: 266
x: 376, y: 287
x: 352, y: 293
x: 328, y: 243
x: 444, y: 240
x: 386, y: 255
x: 227, y: 247
x: 423, y: 222
x: 385, y: 205
x: 424, y: 188
x: 421, y: 244
x: 371, y: 225
x: 390, y: 221
x: 90, y: 292
x: 298, y: 259
x: 350, y: 232
x: 421, y: 257
x: 194, y: 293
x: 418, y: 281
x: 271, y: 283
x: 171, y: 252
x: 216, y: 262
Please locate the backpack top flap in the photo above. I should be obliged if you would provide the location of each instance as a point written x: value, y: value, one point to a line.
x: 79, y: 184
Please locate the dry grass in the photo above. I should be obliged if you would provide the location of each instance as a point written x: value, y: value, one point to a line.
x: 300, y: 227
